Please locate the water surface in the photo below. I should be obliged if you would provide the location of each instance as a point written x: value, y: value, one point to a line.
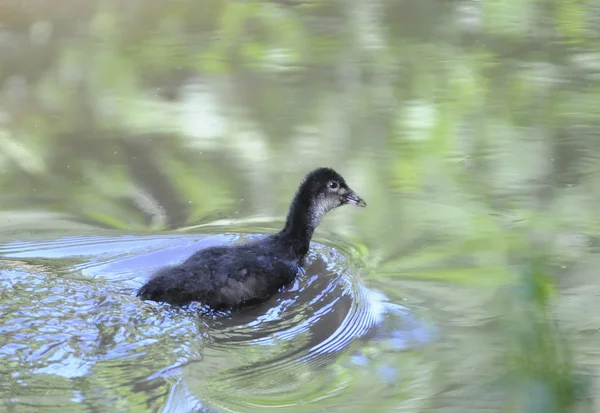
x: 70, y: 316
x: 133, y: 133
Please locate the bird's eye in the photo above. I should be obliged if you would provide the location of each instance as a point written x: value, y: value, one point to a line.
x: 333, y: 185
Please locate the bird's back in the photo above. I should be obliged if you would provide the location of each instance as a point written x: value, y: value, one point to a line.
x: 224, y: 277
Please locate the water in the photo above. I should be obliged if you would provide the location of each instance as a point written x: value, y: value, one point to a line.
x: 133, y: 133
x: 70, y: 315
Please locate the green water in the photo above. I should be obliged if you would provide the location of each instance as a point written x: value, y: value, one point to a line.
x: 133, y: 133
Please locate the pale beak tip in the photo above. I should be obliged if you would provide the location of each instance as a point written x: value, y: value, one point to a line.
x: 353, y: 198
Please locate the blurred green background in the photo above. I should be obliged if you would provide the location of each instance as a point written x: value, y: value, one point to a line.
x: 471, y: 128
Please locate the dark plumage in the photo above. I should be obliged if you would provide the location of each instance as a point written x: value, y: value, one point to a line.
x: 232, y: 276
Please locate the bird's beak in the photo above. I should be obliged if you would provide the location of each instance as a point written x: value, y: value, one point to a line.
x: 352, y: 198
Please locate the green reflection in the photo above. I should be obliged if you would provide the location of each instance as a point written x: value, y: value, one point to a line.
x: 469, y: 127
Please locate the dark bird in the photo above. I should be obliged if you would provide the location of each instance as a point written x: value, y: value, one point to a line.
x: 225, y: 277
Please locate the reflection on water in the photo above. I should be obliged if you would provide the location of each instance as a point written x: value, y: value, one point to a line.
x: 133, y: 133
x: 69, y: 310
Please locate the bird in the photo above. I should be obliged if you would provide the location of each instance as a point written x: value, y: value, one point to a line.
x: 234, y: 276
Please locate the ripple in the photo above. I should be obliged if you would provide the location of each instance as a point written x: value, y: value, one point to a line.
x: 68, y: 310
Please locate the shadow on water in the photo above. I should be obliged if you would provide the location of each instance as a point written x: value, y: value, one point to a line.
x: 74, y: 298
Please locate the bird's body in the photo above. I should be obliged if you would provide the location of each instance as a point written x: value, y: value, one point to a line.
x: 232, y: 276
x: 227, y: 276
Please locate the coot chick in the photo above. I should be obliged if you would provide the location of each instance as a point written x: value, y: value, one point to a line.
x: 225, y: 277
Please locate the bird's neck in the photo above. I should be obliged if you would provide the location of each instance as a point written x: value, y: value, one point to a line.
x: 302, y: 219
